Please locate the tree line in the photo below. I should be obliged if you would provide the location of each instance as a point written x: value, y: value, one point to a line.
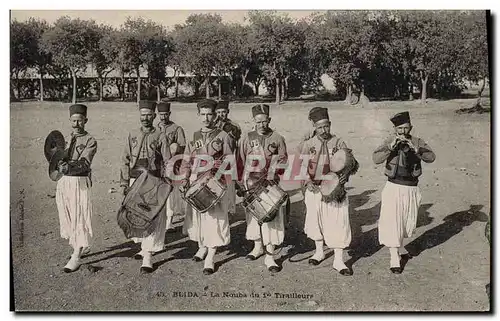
x: 368, y: 54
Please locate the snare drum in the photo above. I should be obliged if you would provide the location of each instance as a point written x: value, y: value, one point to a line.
x: 205, y: 192
x: 265, y: 200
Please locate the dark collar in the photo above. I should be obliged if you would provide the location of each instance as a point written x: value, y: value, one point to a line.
x: 153, y: 129
x: 80, y: 134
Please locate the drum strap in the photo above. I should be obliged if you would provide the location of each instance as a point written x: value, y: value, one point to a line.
x: 143, y: 137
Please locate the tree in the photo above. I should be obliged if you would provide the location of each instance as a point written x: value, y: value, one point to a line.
x: 436, y: 46
x: 40, y: 59
x: 175, y: 62
x: 71, y: 43
x: 400, y: 50
x: 279, y: 43
x: 103, y: 55
x: 228, y: 50
x: 22, y: 51
x: 351, y: 44
x: 474, y: 57
x: 202, y: 36
x: 143, y: 42
x: 112, y: 46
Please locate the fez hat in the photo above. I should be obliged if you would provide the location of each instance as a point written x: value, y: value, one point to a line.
x: 78, y: 109
x: 147, y: 104
x: 223, y: 104
x: 163, y: 107
x: 260, y: 109
x: 207, y: 103
x: 318, y: 113
x: 401, y: 118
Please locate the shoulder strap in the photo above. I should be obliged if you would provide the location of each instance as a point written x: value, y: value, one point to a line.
x: 253, y: 135
x: 143, y: 136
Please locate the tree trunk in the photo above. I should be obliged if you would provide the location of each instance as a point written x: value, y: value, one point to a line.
x: 410, y: 91
x: 284, y: 93
x: 138, y: 84
x: 41, y: 84
x: 194, y: 83
x: 207, y: 87
x: 101, y: 87
x: 18, y: 86
x: 424, y: 87
x: 257, y: 85
x: 73, y: 75
x: 282, y: 89
x: 158, y: 94
x: 480, y: 93
x: 244, y: 76
x: 176, y: 79
x: 397, y: 92
x: 12, y: 93
x: 220, y: 88
x: 349, y: 94
x: 176, y: 83
x: 122, y: 85
x: 277, y: 90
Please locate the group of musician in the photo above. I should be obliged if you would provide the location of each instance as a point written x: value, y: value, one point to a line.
x: 326, y: 218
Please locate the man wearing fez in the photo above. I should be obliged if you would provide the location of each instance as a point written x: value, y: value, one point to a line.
x: 234, y: 131
x: 146, y: 149
x: 176, y: 138
x: 311, y: 132
x: 326, y: 222
x: 402, y: 154
x: 73, y: 194
x: 206, y: 152
x: 265, y: 144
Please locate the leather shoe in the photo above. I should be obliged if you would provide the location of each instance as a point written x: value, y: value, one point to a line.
x: 197, y: 258
x: 346, y: 272
x: 69, y: 270
x: 138, y: 256
x: 314, y: 262
x: 208, y: 271
x: 274, y: 269
x: 146, y: 269
x: 251, y: 257
x: 396, y: 270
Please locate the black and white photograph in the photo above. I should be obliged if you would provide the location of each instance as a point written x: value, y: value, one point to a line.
x: 250, y: 160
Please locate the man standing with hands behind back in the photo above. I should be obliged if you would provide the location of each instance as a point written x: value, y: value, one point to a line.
x: 177, y: 140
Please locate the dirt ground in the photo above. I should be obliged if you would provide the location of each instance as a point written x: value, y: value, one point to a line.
x: 449, y: 269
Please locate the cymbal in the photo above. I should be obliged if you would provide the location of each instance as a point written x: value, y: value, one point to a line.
x: 54, y: 173
x: 53, y: 143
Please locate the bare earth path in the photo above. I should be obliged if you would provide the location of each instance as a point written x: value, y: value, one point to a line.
x: 448, y: 273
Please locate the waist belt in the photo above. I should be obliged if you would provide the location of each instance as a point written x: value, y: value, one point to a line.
x: 79, y: 174
x: 407, y: 181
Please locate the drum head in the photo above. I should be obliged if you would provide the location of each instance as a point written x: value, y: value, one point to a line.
x: 198, y: 184
x: 327, y: 186
x: 205, y: 193
x: 193, y: 189
x: 338, y: 161
x: 53, y: 143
